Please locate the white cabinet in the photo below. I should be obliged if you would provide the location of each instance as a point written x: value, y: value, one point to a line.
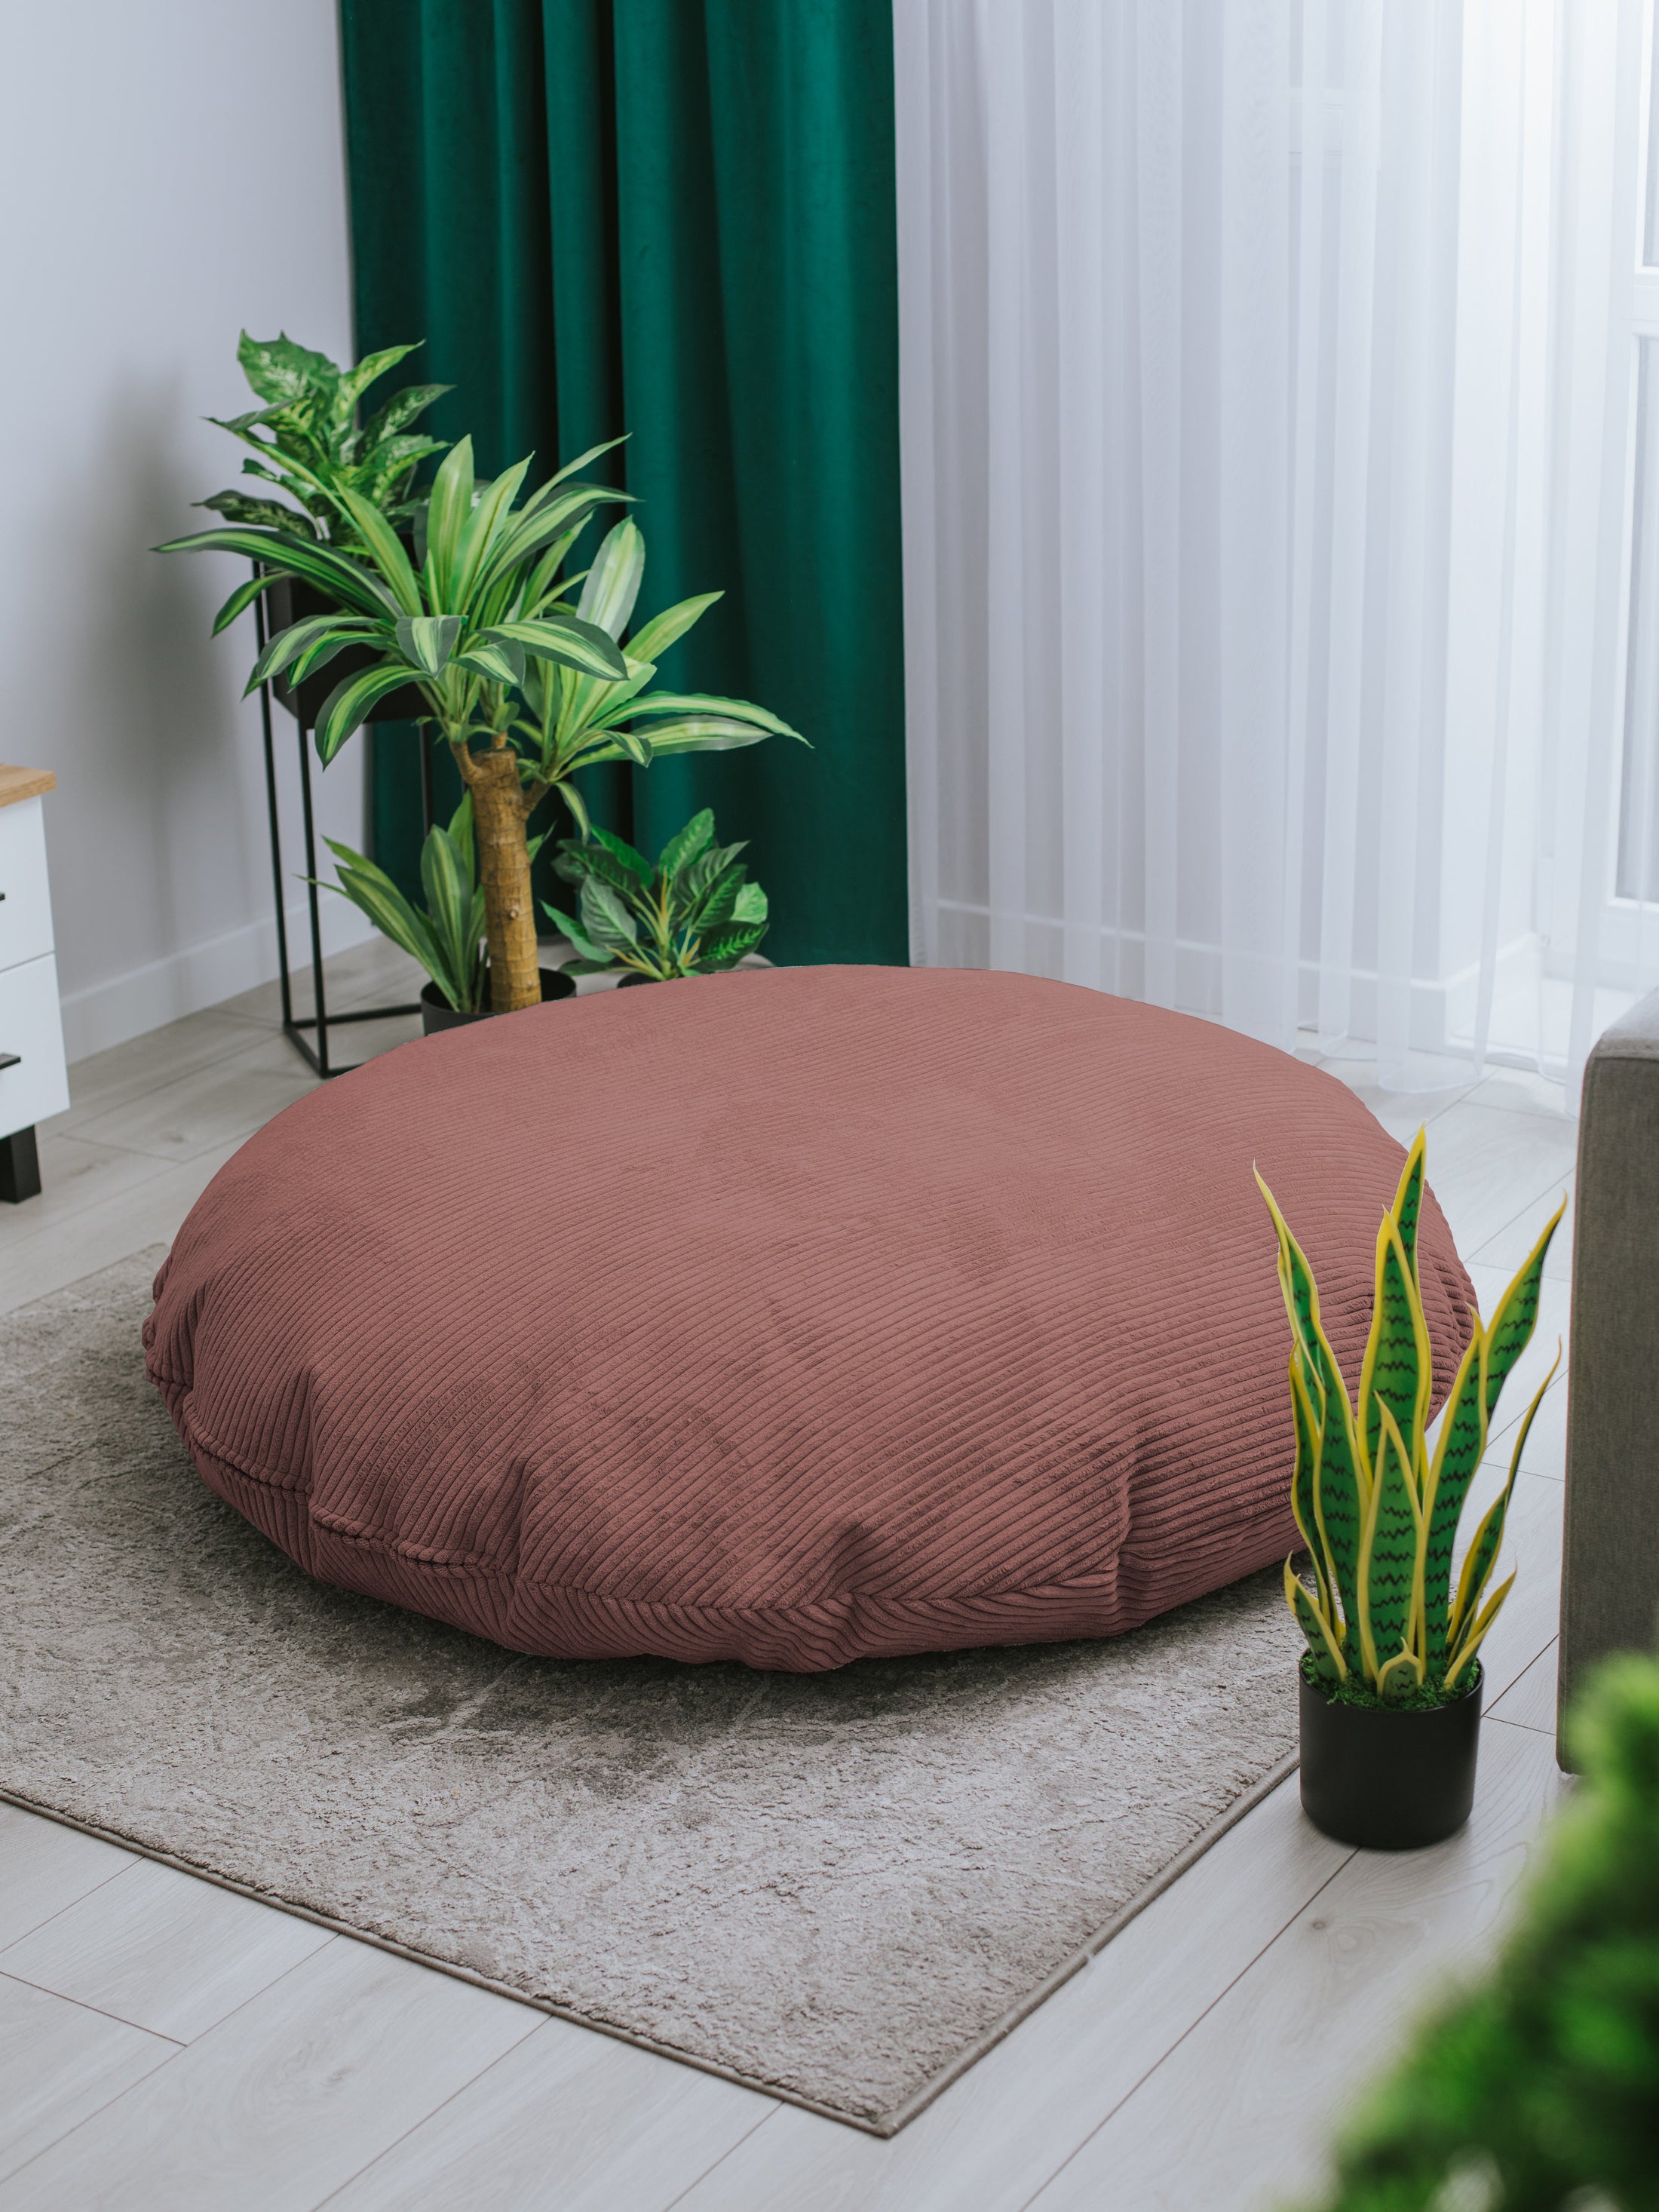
x: 34, y: 1081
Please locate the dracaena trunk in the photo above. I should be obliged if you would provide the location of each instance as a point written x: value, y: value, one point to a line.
x: 498, y: 824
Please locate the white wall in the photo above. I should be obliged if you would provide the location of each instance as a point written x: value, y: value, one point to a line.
x: 170, y: 172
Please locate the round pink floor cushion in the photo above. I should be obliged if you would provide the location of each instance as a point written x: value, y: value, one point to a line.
x: 783, y: 1315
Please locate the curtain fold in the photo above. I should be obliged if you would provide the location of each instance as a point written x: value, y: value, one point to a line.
x: 675, y: 218
x: 1268, y: 404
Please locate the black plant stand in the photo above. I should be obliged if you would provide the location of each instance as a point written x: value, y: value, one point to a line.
x: 294, y: 1025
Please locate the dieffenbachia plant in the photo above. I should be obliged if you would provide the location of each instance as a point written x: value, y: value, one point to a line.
x: 692, y: 913
x: 1377, y: 1511
x: 310, y: 444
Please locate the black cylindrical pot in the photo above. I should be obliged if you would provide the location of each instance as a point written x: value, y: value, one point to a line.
x: 290, y: 600
x: 1388, y: 1781
x: 437, y: 1013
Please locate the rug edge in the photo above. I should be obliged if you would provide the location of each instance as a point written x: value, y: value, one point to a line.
x: 884, y: 2125
x: 900, y: 2116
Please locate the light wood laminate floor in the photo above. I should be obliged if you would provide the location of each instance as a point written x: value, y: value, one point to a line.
x: 165, y: 2044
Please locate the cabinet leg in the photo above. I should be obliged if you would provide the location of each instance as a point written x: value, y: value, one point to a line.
x: 20, y: 1167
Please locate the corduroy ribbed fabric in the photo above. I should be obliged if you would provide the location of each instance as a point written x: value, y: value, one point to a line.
x: 785, y: 1317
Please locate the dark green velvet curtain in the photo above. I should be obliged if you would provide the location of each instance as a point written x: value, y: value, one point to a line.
x: 674, y: 217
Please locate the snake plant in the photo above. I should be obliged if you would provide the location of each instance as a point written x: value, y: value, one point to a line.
x: 310, y: 445
x: 695, y: 911
x: 1376, y: 1508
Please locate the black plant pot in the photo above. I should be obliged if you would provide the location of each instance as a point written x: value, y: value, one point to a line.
x: 1388, y: 1781
x: 437, y: 1013
x: 288, y: 601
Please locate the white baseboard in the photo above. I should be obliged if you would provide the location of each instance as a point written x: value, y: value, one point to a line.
x: 103, y: 1014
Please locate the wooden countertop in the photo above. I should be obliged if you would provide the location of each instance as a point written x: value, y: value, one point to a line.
x: 24, y: 783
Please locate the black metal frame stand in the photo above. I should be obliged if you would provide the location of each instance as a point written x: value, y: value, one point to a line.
x: 294, y: 1025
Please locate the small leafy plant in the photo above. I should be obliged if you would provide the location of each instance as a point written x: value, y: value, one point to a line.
x: 1377, y: 1511
x: 447, y: 936
x: 696, y: 911
x: 310, y: 445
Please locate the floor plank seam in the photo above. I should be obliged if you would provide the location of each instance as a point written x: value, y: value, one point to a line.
x: 730, y: 2151
x: 460, y: 2089
x: 10, y: 2174
x: 115, y: 1875
x: 1193, y: 2024
x: 45, y: 1990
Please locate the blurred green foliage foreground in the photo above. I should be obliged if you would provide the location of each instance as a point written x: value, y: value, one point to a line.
x: 1539, y: 2090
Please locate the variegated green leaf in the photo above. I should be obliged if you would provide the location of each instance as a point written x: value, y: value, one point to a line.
x: 1396, y: 1373
x: 1328, y: 1662
x: 685, y: 846
x: 446, y: 512
x: 568, y: 640
x: 1387, y: 1551
x: 1483, y: 1550
x: 699, y: 733
x: 1457, y: 1453
x: 1408, y: 1200
x: 578, y: 937
x: 426, y: 642
x: 242, y: 598
x: 498, y: 660
x: 613, y: 581
x: 705, y: 705
x: 653, y: 639
x: 1469, y: 1644
x: 606, y: 919
x: 1516, y: 1312
x: 385, y: 548
x: 347, y: 705
x: 1400, y: 1676
x: 1304, y: 1488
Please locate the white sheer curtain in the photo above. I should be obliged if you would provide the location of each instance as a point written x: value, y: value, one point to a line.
x: 1269, y: 400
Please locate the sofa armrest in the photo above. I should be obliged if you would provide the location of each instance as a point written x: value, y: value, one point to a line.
x: 1610, y: 1563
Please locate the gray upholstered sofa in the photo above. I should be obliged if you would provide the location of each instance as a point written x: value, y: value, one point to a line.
x: 1610, y: 1566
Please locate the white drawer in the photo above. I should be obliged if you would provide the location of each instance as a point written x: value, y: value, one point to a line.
x: 25, y: 901
x: 32, y: 1027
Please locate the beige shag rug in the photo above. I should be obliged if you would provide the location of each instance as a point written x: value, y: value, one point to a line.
x: 837, y: 1888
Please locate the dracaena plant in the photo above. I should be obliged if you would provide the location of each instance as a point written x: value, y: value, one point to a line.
x: 1378, y: 1509
x: 485, y: 600
x: 694, y: 912
x: 480, y: 628
x: 310, y: 445
x: 447, y: 935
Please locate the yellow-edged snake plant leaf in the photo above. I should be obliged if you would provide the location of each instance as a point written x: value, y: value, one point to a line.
x: 1471, y: 1643
x: 1407, y: 1205
x: 1483, y: 1551
x: 1457, y: 1454
x: 1396, y: 1370
x: 1510, y: 1328
x: 1388, y: 1552
x: 1328, y: 1662
x: 1304, y: 1481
